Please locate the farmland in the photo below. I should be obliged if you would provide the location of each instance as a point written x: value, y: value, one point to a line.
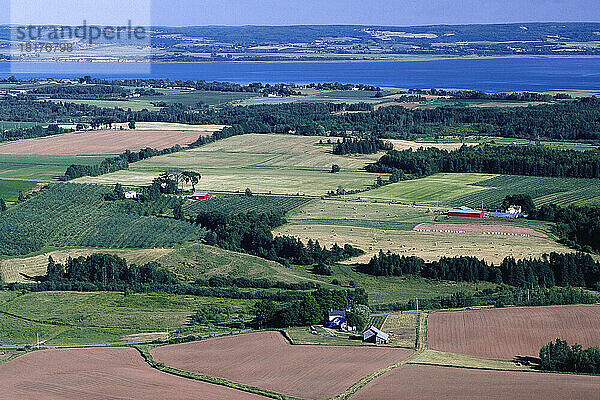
x: 100, y: 142
x: 9, y: 190
x: 232, y: 204
x: 511, y: 332
x: 100, y: 373
x: 283, y: 164
x: 36, y: 167
x: 102, y: 317
x: 434, y: 382
x: 267, y: 360
x: 76, y: 215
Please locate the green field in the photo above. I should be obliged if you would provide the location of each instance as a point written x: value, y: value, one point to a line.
x: 211, y: 98
x: 77, y: 215
x: 431, y: 190
x: 236, y: 204
x: 38, y: 167
x: 134, y: 104
x: 100, y: 317
x: 282, y: 164
x: 9, y: 190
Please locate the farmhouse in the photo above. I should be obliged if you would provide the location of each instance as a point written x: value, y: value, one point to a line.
x: 465, y: 212
x: 200, y: 196
x: 132, y: 194
x: 336, y: 319
x: 374, y: 335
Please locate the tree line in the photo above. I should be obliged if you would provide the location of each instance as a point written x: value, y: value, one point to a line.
x: 367, y: 145
x: 571, y: 269
x: 508, y: 160
x: 561, y: 357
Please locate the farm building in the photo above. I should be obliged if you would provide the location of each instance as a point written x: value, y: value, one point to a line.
x: 465, y: 212
x: 200, y: 196
x: 374, y: 335
x: 511, y: 212
x: 132, y: 194
x: 336, y: 319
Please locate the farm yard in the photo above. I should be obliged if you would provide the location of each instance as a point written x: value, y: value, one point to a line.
x: 427, y: 245
x: 101, y: 142
x: 282, y: 164
x: 512, y: 332
x: 267, y: 360
x: 435, y: 382
x: 101, y: 373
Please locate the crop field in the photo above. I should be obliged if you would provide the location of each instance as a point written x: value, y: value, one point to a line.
x: 407, y: 144
x: 36, y: 167
x: 135, y: 104
x: 211, y: 98
x: 9, y: 190
x: 492, y: 229
x: 12, y: 268
x: 562, y: 191
x: 237, y: 204
x: 100, y: 373
x: 267, y: 360
x: 102, y: 317
x: 100, y: 142
x: 434, y: 382
x: 402, y: 328
x: 506, y: 333
x: 68, y: 215
x: 376, y: 321
x: 283, y: 164
x: 427, y: 245
x: 433, y: 189
x: 171, y: 126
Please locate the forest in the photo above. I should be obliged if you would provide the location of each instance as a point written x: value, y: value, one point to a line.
x: 571, y: 269
x: 506, y: 160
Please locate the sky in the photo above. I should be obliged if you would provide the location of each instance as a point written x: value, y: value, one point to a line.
x: 293, y: 12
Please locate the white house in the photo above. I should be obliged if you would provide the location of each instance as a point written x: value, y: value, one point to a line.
x: 132, y: 194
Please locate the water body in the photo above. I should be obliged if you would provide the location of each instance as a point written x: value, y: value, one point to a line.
x: 492, y: 75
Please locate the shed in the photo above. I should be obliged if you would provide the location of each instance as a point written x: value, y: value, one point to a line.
x: 374, y: 335
x: 465, y: 212
x: 200, y: 196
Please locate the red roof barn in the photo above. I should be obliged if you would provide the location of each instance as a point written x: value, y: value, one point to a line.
x: 465, y: 212
x: 200, y: 196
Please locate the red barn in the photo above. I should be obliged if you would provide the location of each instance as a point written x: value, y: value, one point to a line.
x: 465, y: 212
x: 200, y: 196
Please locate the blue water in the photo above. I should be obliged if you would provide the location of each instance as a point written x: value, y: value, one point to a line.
x: 493, y: 75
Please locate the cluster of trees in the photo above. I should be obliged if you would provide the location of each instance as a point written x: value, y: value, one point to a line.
x: 342, y: 86
x: 310, y: 309
x: 559, y: 356
x: 107, y: 269
x: 509, y: 160
x: 368, y: 145
x: 257, y: 283
x: 110, y: 92
x: 32, y: 132
x: 554, y: 269
x: 250, y: 233
x: 478, y: 95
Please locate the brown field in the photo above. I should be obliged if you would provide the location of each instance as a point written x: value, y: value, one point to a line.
x: 267, y: 360
x: 100, y: 373
x: 407, y: 144
x: 505, y: 333
x: 433, y: 382
x: 477, y: 228
x: 101, y: 142
x: 509, y: 104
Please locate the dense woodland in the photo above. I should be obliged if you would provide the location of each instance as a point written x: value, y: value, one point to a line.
x: 554, y: 269
x: 508, y: 160
x: 559, y: 356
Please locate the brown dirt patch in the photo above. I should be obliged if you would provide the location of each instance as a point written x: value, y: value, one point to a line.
x: 505, y: 333
x: 267, y: 360
x: 478, y: 228
x: 100, y: 142
x: 100, y: 373
x: 433, y: 382
x: 407, y: 144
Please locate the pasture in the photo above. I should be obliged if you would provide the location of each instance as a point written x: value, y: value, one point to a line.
x: 267, y: 360
x: 45, y: 167
x: 435, y: 382
x: 282, y: 164
x: 101, y: 373
x: 100, y: 142
x: 506, y: 333
x: 102, y: 317
x: 427, y: 245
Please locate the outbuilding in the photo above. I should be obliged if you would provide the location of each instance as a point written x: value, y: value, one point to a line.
x: 465, y: 212
x: 374, y: 335
x: 200, y: 196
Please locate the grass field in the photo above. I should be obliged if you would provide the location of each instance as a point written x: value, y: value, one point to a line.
x: 9, y: 190
x: 236, y: 204
x: 211, y: 98
x: 283, y: 164
x: 427, y: 245
x: 135, y: 105
x: 98, y: 317
x: 41, y: 167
